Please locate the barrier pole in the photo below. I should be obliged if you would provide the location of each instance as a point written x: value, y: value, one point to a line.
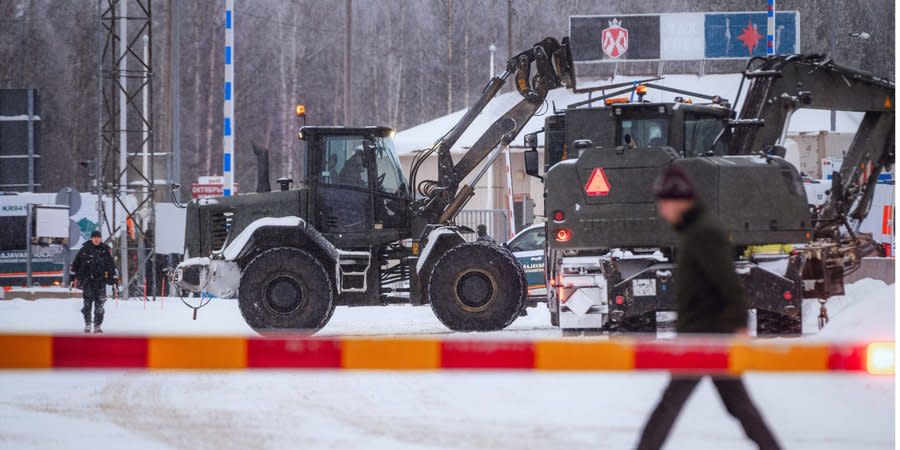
x: 770, y: 28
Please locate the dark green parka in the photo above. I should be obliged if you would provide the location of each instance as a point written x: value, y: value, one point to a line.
x: 710, y: 295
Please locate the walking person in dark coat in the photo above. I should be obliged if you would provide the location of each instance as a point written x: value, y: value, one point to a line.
x: 93, y: 269
x: 710, y: 299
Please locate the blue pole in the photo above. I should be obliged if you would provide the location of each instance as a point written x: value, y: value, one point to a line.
x: 228, y: 162
x: 770, y: 28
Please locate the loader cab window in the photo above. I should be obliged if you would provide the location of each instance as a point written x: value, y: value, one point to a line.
x: 344, y: 162
x: 343, y: 198
x: 389, y: 178
x: 700, y: 133
x: 642, y: 133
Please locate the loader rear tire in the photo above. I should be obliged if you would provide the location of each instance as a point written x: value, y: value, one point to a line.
x: 478, y: 286
x: 285, y: 290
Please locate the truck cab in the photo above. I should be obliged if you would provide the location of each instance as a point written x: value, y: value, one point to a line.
x: 609, y: 258
x: 690, y: 129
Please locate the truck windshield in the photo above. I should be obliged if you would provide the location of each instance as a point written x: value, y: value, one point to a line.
x: 699, y: 134
x: 638, y: 133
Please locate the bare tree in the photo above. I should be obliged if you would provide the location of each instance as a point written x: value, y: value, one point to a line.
x: 447, y: 10
x: 467, y: 8
x: 413, y: 61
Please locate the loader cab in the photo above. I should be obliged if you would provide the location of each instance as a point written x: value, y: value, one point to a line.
x: 359, y: 195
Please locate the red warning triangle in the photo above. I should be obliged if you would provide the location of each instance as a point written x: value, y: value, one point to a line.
x: 597, y: 184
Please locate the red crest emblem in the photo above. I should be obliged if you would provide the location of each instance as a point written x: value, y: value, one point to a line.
x: 614, y: 39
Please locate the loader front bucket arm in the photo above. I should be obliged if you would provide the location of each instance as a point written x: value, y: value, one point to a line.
x: 552, y: 62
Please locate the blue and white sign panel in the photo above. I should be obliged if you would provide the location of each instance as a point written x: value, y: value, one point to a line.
x: 680, y: 36
x: 743, y: 35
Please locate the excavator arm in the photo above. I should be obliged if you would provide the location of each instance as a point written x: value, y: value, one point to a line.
x: 778, y: 86
x: 443, y: 198
x: 781, y: 85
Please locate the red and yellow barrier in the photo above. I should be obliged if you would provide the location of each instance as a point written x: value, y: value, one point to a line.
x: 228, y: 353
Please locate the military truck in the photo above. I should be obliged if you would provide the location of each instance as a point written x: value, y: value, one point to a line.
x: 356, y: 231
x: 610, y: 258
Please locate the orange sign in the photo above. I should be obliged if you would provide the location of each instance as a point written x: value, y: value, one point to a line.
x: 887, y: 220
x: 598, y: 184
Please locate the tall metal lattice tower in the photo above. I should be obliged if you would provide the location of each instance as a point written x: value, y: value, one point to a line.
x: 125, y: 181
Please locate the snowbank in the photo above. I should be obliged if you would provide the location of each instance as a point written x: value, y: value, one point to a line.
x: 865, y: 313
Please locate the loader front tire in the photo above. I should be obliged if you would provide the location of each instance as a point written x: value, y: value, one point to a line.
x: 477, y: 286
x: 285, y: 290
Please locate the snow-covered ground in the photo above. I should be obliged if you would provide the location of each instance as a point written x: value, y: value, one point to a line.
x: 430, y: 410
x: 382, y: 410
x: 866, y: 312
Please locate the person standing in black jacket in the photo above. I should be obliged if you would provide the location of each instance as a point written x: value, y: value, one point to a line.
x: 93, y: 269
x: 481, y: 232
x: 710, y: 299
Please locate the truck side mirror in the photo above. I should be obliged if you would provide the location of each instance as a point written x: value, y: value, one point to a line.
x: 531, y: 141
x: 532, y: 162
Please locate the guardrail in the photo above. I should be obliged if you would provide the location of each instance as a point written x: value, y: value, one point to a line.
x: 707, y: 356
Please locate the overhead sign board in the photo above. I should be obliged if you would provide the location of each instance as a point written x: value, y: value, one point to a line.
x: 679, y: 36
x: 598, y: 38
x: 743, y: 35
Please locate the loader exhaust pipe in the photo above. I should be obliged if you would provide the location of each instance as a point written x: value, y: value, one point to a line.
x: 262, y: 168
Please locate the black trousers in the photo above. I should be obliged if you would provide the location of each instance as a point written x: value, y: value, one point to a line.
x: 94, y: 293
x: 734, y: 396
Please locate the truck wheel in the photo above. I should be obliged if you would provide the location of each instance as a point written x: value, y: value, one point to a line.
x: 285, y: 289
x: 477, y: 286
